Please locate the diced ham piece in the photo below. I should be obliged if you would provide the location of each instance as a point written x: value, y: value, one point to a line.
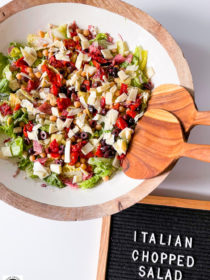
x: 118, y: 59
x: 42, y: 160
x: 37, y: 147
x: 45, y: 108
x: 68, y: 182
x: 129, y: 58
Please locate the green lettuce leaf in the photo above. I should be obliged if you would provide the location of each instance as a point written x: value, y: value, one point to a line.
x: 16, y: 53
x: 45, y: 127
x: 20, y: 116
x: 16, y: 146
x: 27, y: 165
x: 7, y: 129
x: 99, y: 37
x: 90, y: 183
x: 53, y: 180
x: 3, y: 63
x: 4, y: 86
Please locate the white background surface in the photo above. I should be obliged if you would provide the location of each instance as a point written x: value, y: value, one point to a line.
x: 42, y: 249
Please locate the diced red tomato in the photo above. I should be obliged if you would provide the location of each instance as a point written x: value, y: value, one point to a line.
x: 96, y: 64
x: 5, y: 109
x: 87, y: 83
x: 133, y: 107
x: 121, y: 123
x: 55, y: 63
x: 69, y: 43
x: 98, y: 152
x: 63, y: 103
x: 78, y: 47
x: 20, y: 63
x: 74, y: 157
x: 17, y: 107
x: 26, y: 128
x: 131, y: 113
x: 31, y: 85
x: 103, y: 102
x: 55, y: 155
x: 54, y: 146
x: 54, y: 78
x: 124, y: 88
x: 116, y: 106
x: 77, y: 147
x: 54, y: 90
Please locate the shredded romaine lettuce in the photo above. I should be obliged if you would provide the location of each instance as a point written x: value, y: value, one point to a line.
x: 20, y: 116
x: 90, y: 183
x: 27, y: 165
x: 4, y: 86
x: 3, y: 63
x: 7, y: 129
x: 53, y: 180
x: 122, y: 48
x: 16, y: 146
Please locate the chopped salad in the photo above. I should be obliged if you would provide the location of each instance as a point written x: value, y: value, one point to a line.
x: 69, y: 102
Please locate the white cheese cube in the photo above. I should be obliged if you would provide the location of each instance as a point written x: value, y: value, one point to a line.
x: 62, y: 95
x: 14, y: 85
x: 90, y: 69
x: 108, y: 98
x: 52, y: 128
x: 87, y: 128
x: 56, y: 168
x: 29, y: 55
x: 145, y: 96
x: 79, y: 61
x: 120, y: 146
x: 73, y: 131
x: 126, y: 134
x: 113, y: 89
x: 85, y: 44
x: 62, y: 56
x: 132, y: 68
x: 112, y: 46
x: 32, y: 135
x: 106, y: 54
x: 83, y: 102
x: 60, y: 124
x: 39, y: 170
x: 92, y: 98
x: 6, y: 152
x: 87, y: 148
x: 109, y: 138
x: 122, y: 75
x: 67, y: 157
x: 104, y: 87
x: 132, y: 93
x: 121, y: 98
x: 77, y: 178
x: 55, y: 111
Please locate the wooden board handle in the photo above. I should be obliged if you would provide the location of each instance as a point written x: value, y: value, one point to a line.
x: 199, y: 152
x: 202, y: 118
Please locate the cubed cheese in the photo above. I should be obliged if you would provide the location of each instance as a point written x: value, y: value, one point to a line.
x: 145, y: 96
x: 62, y: 95
x: 39, y: 170
x: 52, y: 128
x: 132, y: 93
x: 107, y: 54
x: 92, y: 98
x: 73, y: 131
x: 83, y: 102
x: 29, y: 55
x: 60, y: 124
x: 79, y: 61
x: 120, y: 146
x: 14, y: 85
x: 109, y: 138
x: 62, y: 56
x: 112, y: 46
x: 110, y: 119
x: 113, y: 89
x: 104, y: 87
x: 132, y: 68
x: 32, y: 135
x: 55, y: 111
x: 80, y: 121
x: 122, y: 75
x: 56, y: 168
x: 77, y: 178
x: 87, y: 149
x: 108, y: 98
x: 85, y: 44
x: 123, y: 97
x: 6, y: 152
x: 29, y: 106
x: 90, y: 69
x: 126, y: 134
x: 150, y: 72
x: 67, y: 156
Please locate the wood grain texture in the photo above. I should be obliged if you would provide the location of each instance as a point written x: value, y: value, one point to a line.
x: 124, y: 201
x: 154, y: 200
x: 158, y: 141
x: 177, y: 99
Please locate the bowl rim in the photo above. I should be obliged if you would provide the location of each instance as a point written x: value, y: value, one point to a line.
x: 147, y: 186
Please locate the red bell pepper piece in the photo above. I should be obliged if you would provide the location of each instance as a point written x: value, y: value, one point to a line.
x: 54, y: 146
x: 17, y: 107
x: 63, y: 103
x: 98, y: 152
x: 116, y: 106
x: 20, y: 63
x: 96, y: 64
x: 121, y: 123
x: 87, y: 83
x: 26, y: 128
x: 31, y: 85
x: 124, y: 88
x: 131, y: 113
x: 54, y: 90
x: 74, y: 157
x: 5, y: 109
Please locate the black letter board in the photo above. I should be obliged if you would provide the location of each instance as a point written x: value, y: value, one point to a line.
x: 158, y: 242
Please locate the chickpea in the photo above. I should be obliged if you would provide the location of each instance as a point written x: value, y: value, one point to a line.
x: 31, y: 75
x: 39, y: 54
x: 83, y: 74
x: 32, y: 158
x: 38, y: 75
x: 79, y: 140
x: 106, y: 178
x: 86, y: 32
x: 107, y: 107
x: 83, y: 160
x: 30, y: 70
x: 64, y: 82
x: 21, y: 124
x: 43, y: 155
x: 50, y: 54
x: 53, y: 118
x: 23, y: 87
x: 73, y: 139
x: 42, y: 116
x: 121, y: 109
x: 83, y: 166
x: 41, y: 34
x: 45, y: 52
x: 117, y: 93
x: 77, y: 164
x: 18, y: 76
x: 78, y: 30
x: 98, y: 127
x: 77, y: 104
x: 76, y: 38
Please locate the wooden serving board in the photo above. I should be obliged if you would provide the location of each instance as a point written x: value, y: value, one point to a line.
x: 183, y: 71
